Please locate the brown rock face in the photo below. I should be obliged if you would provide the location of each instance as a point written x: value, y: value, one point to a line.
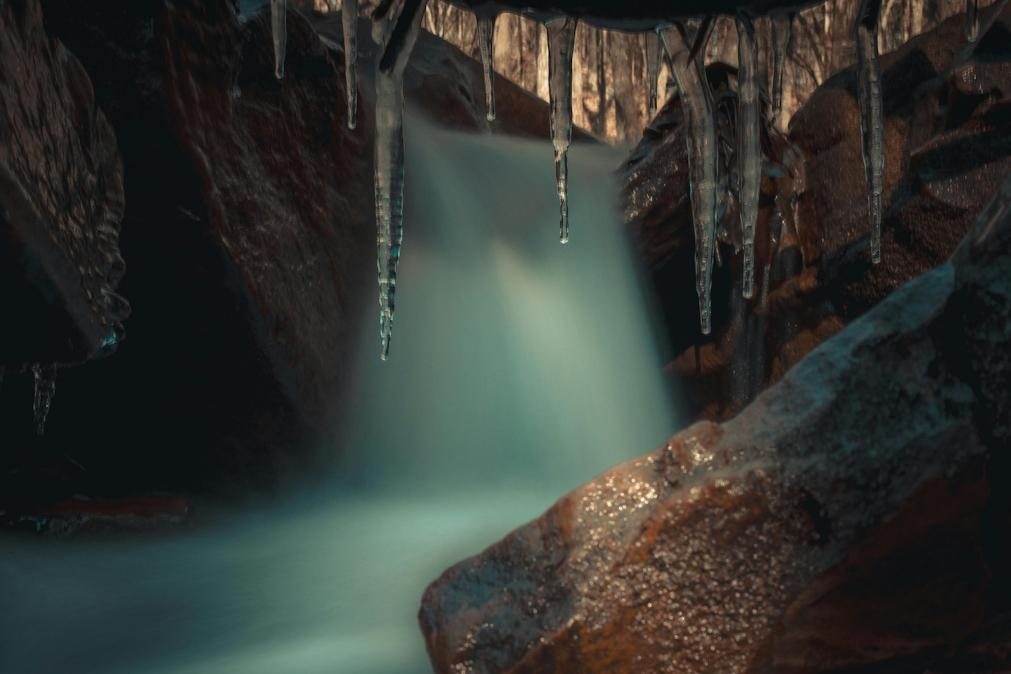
x: 248, y: 228
x: 61, y: 200
x: 947, y: 150
x: 855, y: 517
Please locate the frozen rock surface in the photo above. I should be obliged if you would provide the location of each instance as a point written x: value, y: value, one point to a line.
x: 855, y: 517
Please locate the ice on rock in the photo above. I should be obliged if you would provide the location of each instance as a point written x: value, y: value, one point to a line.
x: 972, y: 20
x: 45, y: 389
x: 872, y: 123
x: 697, y: 103
x: 749, y: 144
x: 782, y: 30
x: 349, y: 24
x: 561, y: 38
x: 486, y: 44
x: 653, y: 57
x: 389, y: 166
x: 279, y: 29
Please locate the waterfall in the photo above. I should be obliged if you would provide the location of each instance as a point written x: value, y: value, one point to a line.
x: 521, y: 369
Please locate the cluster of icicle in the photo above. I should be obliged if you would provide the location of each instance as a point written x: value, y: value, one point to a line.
x: 395, y: 32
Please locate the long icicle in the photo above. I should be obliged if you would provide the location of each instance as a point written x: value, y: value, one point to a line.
x: 872, y: 122
x: 389, y: 165
x: 972, y: 20
x: 782, y: 31
x: 697, y: 104
x: 561, y: 38
x: 349, y: 23
x: 486, y: 44
x: 653, y: 69
x: 279, y: 31
x: 749, y: 143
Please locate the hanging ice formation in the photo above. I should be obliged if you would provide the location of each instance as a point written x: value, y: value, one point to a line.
x: 749, y: 144
x: 782, y: 30
x: 776, y: 227
x: 697, y: 104
x: 871, y: 115
x: 279, y: 29
x: 653, y: 69
x: 349, y: 24
x: 561, y: 39
x: 486, y: 44
x: 45, y: 389
x: 395, y: 46
x: 972, y: 20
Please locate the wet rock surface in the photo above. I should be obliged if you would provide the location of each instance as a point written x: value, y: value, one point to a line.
x: 61, y: 201
x: 855, y: 517
x: 947, y: 131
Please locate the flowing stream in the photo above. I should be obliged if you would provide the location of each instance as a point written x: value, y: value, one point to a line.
x: 519, y: 369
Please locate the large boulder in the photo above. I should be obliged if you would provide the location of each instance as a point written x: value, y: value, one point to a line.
x: 855, y: 517
x: 947, y: 149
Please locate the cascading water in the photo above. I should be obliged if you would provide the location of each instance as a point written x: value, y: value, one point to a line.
x: 526, y: 368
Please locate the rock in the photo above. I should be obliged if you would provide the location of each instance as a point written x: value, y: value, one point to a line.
x: 855, y: 517
x: 947, y: 152
x: 947, y: 132
x: 248, y: 229
x: 86, y: 517
x: 61, y: 201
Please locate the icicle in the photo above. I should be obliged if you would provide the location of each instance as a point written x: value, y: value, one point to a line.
x: 349, y: 22
x: 972, y: 20
x: 749, y: 143
x: 871, y: 116
x: 279, y: 27
x: 45, y: 389
x: 697, y: 104
x: 561, y: 38
x: 653, y: 69
x: 389, y: 168
x: 486, y: 43
x: 782, y: 30
x: 776, y: 226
